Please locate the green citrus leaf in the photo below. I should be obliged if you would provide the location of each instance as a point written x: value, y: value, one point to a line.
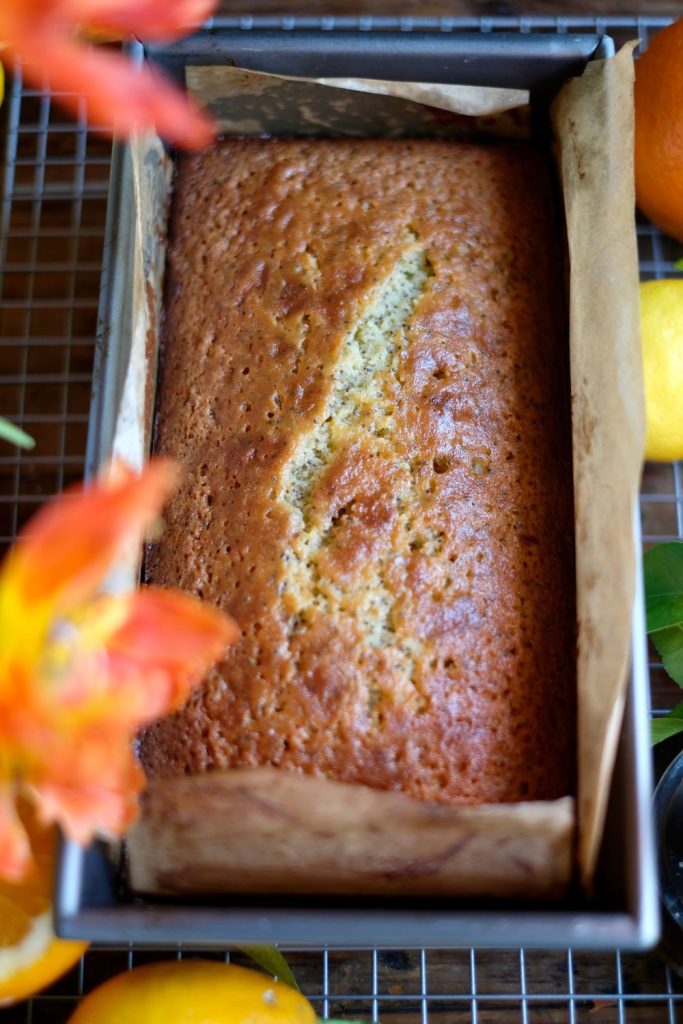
x: 669, y: 643
x: 669, y: 725
x: 15, y: 435
x: 663, y: 569
x: 272, y: 961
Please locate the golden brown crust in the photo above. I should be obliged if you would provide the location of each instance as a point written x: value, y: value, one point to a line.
x: 389, y: 521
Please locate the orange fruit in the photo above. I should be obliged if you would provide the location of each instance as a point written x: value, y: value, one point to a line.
x: 659, y: 130
x: 193, y: 991
x: 31, y: 957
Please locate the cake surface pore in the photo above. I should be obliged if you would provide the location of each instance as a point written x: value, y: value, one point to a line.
x: 364, y: 375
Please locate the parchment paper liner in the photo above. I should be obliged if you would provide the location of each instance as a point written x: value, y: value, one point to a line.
x: 264, y: 830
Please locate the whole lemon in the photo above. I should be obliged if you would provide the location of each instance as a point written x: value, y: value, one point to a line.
x: 193, y: 992
x: 661, y: 319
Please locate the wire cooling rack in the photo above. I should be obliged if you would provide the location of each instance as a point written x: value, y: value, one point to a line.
x: 55, y: 181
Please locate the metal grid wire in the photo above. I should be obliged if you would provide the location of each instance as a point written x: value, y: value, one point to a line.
x: 55, y: 180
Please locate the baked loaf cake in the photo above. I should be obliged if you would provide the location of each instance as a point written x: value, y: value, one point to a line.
x: 364, y: 374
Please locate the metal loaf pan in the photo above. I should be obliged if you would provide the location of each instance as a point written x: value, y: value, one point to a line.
x: 91, y: 899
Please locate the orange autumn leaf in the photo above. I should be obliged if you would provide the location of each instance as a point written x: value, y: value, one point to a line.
x: 39, y: 36
x: 82, y: 671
